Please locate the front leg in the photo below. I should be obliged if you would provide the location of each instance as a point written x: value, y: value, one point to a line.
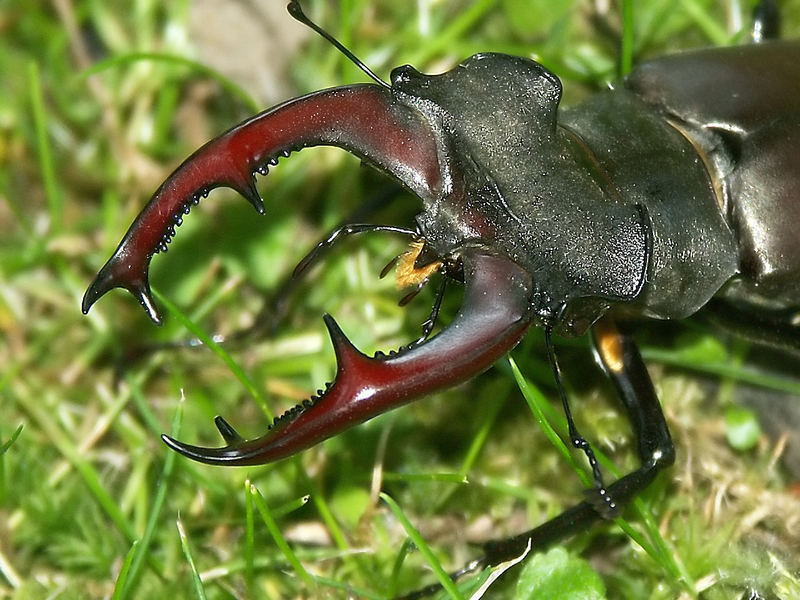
x: 624, y: 365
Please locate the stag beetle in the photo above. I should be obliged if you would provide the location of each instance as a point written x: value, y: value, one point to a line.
x: 675, y: 189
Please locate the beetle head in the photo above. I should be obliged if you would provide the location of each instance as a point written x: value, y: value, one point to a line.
x: 518, y: 184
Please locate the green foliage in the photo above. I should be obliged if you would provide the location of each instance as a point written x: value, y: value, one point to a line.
x: 556, y: 574
x: 741, y: 427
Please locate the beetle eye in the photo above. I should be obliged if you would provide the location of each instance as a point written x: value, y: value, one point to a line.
x: 404, y: 75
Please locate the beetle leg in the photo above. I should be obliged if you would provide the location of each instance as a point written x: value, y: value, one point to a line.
x: 624, y: 365
x: 760, y: 325
x: 340, y: 233
x: 430, y: 322
x: 605, y: 503
x: 493, y: 317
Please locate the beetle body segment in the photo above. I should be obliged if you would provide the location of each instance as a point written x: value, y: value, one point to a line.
x: 647, y: 161
x: 741, y: 106
x: 520, y: 186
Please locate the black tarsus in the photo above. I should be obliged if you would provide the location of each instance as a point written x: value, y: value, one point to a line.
x: 430, y: 322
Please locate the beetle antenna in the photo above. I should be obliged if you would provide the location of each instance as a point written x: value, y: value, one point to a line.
x: 296, y: 11
x: 342, y: 232
x: 578, y: 441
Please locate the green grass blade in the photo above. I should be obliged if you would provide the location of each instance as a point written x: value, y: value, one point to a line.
x: 291, y: 506
x: 409, y: 477
x: 397, y: 566
x: 55, y: 202
x: 739, y: 373
x: 187, y: 552
x: 217, y: 349
x: 249, y: 537
x: 154, y: 514
x: 3, y: 449
x: 6, y: 445
x: 627, y: 42
x: 536, y: 402
x: 124, y: 572
x: 426, y: 551
x: 277, y: 536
